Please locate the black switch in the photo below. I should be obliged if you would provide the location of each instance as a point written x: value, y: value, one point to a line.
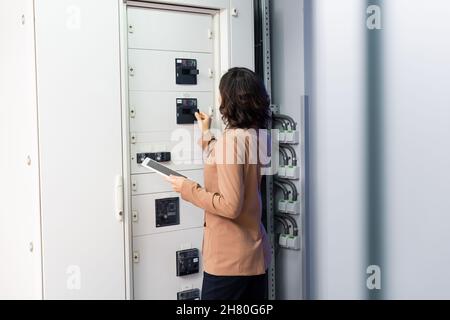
x: 186, y: 71
x: 189, y: 295
x: 186, y: 109
x: 167, y: 212
x: 188, y: 262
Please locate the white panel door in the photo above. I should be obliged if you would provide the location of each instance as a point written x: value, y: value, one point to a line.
x: 190, y: 216
x: 163, y: 106
x: 169, y: 30
x: 242, y: 34
x: 155, y: 71
x: 80, y: 139
x: 20, y: 256
x: 155, y: 183
x: 158, y: 253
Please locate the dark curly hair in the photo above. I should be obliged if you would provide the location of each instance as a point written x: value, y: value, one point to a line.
x: 245, y: 102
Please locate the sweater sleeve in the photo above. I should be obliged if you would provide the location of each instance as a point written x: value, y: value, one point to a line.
x: 228, y: 201
x: 207, y: 141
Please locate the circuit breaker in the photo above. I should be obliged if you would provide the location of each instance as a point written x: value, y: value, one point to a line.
x: 188, y: 262
x: 186, y: 109
x: 167, y: 212
x: 186, y: 71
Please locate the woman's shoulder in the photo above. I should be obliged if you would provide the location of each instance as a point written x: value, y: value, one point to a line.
x: 243, y: 144
x: 240, y: 133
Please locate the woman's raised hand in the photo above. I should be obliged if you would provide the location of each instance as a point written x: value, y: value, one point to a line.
x: 204, y: 121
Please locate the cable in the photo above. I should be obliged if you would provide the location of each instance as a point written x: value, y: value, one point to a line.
x: 293, y: 153
x: 292, y: 221
x: 283, y: 188
x: 287, y: 118
x: 285, y: 157
x: 283, y: 124
x: 285, y: 225
x: 295, y: 193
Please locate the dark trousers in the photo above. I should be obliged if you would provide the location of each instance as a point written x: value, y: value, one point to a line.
x: 234, y: 288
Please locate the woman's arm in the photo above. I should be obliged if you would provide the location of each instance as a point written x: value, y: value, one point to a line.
x: 228, y: 201
x: 207, y: 141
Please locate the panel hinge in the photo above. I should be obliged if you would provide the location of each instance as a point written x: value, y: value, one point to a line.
x: 119, y: 198
x: 132, y: 112
x: 136, y: 257
x: 135, y: 216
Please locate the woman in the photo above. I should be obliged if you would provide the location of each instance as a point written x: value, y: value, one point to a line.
x: 235, y: 246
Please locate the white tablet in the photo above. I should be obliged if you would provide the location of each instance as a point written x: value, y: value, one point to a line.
x: 159, y: 168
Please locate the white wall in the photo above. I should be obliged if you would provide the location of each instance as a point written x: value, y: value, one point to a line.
x: 335, y: 46
x: 20, y: 267
x: 417, y: 158
x: 415, y: 124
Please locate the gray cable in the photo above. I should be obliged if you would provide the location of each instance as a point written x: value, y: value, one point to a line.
x: 292, y: 221
x: 285, y: 225
x: 293, y: 153
x: 283, y: 188
x: 295, y: 193
x: 285, y: 157
x: 287, y: 118
x: 283, y: 124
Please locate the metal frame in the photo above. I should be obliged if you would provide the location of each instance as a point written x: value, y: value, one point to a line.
x: 304, y: 191
x: 267, y: 74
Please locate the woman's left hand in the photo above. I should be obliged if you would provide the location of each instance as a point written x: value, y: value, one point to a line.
x: 176, y: 182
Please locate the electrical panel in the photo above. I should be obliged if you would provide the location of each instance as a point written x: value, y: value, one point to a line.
x: 186, y: 109
x: 133, y: 57
x: 188, y: 262
x: 169, y: 81
x: 167, y: 212
x: 186, y: 71
x: 189, y: 295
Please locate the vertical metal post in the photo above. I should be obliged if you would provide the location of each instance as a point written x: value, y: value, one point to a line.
x: 374, y: 152
x: 267, y: 75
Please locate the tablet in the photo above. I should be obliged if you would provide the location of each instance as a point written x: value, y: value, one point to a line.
x: 160, y: 169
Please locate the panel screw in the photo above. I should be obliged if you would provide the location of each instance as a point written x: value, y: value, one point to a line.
x: 28, y: 161
x: 31, y: 247
x: 23, y: 19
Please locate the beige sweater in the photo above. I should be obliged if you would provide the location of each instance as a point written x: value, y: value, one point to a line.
x: 235, y: 241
